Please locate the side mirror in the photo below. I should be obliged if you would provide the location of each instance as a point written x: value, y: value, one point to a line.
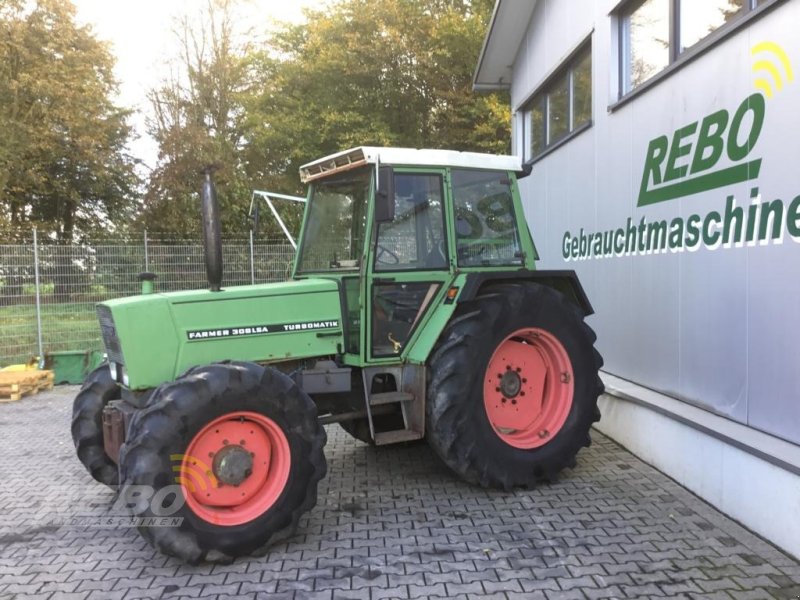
x: 384, y: 196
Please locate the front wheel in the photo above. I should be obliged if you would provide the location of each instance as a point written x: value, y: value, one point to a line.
x: 513, y: 387
x: 234, y: 451
x: 87, y: 424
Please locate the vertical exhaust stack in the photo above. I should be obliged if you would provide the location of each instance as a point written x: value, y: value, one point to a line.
x: 211, y: 232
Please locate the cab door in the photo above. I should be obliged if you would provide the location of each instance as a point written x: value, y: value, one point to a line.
x: 410, y: 264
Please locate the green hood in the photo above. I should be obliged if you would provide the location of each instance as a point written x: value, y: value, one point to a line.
x: 166, y: 334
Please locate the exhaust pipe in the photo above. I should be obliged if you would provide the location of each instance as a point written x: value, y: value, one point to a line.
x: 211, y: 232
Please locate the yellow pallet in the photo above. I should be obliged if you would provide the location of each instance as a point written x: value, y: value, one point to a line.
x: 14, y: 385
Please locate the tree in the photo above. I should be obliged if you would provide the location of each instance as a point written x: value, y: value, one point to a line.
x: 63, y: 160
x: 199, y: 121
x: 395, y: 72
x: 359, y: 72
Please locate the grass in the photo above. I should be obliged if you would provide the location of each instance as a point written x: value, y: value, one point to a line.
x: 67, y: 326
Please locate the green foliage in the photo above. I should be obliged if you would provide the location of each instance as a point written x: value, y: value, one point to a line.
x: 199, y: 122
x: 395, y: 72
x: 359, y: 72
x: 63, y: 163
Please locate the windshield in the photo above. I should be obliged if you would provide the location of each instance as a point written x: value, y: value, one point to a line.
x: 333, y: 238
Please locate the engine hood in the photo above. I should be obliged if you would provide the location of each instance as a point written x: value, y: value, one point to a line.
x: 157, y: 337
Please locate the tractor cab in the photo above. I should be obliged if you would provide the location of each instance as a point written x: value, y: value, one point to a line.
x: 396, y: 228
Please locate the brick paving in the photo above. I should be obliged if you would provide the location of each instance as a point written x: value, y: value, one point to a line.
x: 390, y: 523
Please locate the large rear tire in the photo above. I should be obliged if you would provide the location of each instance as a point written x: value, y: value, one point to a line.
x: 513, y: 386
x: 87, y: 424
x: 239, y: 446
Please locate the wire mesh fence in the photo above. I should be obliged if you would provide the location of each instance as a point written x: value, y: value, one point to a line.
x: 48, y: 291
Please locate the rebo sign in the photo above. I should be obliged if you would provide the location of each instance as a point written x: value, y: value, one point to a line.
x: 663, y: 179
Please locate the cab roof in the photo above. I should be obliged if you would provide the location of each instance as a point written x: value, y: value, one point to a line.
x: 356, y: 157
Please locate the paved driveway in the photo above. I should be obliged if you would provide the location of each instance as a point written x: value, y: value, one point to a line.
x: 389, y: 523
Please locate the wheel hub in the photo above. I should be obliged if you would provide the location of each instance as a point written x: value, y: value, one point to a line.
x: 528, y: 388
x: 235, y: 468
x: 232, y: 465
x: 510, y: 384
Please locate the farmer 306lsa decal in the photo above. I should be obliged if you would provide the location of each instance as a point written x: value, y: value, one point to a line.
x: 205, y: 334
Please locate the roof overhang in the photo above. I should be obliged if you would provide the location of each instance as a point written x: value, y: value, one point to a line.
x: 356, y: 157
x: 507, y: 28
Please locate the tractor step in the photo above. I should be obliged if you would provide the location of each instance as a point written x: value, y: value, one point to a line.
x: 389, y: 398
x: 393, y: 437
x: 409, y: 395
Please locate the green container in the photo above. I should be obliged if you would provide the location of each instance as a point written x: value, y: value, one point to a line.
x: 72, y: 366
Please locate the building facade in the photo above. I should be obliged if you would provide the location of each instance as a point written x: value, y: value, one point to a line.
x: 663, y: 139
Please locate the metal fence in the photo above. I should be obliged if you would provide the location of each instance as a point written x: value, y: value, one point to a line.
x: 48, y: 291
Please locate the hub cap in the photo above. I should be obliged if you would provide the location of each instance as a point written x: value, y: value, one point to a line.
x: 232, y: 465
x: 510, y: 384
x: 528, y: 388
x: 235, y: 468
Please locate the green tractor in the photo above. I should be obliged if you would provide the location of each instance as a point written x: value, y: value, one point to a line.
x: 414, y: 311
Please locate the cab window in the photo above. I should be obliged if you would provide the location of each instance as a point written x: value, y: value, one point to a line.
x: 414, y: 240
x: 486, y: 232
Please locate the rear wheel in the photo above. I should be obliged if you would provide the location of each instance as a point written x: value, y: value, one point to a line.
x: 513, y: 387
x: 235, y: 450
x: 87, y: 424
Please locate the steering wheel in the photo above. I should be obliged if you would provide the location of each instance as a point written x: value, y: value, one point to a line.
x: 384, y: 250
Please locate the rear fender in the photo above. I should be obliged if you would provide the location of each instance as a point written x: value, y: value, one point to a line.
x: 471, y: 284
x: 565, y: 282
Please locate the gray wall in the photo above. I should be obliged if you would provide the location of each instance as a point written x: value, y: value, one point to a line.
x: 715, y: 327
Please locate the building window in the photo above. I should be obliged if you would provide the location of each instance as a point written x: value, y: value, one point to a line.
x: 561, y: 106
x: 656, y: 33
x: 699, y: 19
x: 645, y: 31
x: 538, y: 110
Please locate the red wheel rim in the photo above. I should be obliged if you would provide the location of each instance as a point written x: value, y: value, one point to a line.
x: 528, y: 388
x: 227, y: 495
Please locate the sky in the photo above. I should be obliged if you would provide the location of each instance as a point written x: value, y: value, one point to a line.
x: 141, y: 37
